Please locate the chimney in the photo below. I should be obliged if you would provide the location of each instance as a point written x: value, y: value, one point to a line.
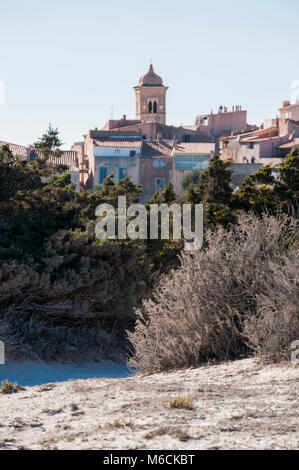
x: 285, y: 104
x: 124, y: 117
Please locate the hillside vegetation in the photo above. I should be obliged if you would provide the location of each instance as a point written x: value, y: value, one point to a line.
x: 65, y: 295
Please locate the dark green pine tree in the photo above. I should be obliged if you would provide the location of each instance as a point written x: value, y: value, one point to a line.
x: 15, y: 176
x: 49, y: 148
x: 214, y: 190
x: 49, y: 144
x: 287, y: 186
x: 215, y: 182
x: 262, y: 192
x: 257, y: 192
x: 190, y: 179
x: 110, y: 190
x: 168, y: 196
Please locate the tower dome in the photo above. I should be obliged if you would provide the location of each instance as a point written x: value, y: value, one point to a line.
x: 151, y: 78
x: 151, y: 98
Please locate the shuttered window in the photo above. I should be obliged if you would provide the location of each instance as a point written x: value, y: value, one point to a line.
x: 122, y: 173
x: 102, y: 174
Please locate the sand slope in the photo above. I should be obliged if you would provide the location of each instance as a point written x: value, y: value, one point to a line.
x: 236, y: 405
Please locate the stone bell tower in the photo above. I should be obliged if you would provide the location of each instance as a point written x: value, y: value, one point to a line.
x: 151, y: 98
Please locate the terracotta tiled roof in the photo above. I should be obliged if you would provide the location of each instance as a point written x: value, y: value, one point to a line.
x: 139, y: 124
x: 118, y: 143
x: 260, y: 133
x: 157, y: 149
x: 194, y: 148
x: 17, y: 150
x: 68, y: 157
x: 289, y: 145
x: 120, y: 123
x: 261, y: 139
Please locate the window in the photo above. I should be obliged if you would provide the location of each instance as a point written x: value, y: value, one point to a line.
x: 250, y: 145
x: 187, y: 138
x: 150, y: 107
x: 132, y: 153
x: 103, y: 171
x: 144, y: 137
x: 160, y: 183
x: 159, y: 163
x: 252, y: 160
x: 192, y: 162
x: 122, y: 173
x: 155, y: 107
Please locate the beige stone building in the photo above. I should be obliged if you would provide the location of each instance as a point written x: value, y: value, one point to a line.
x: 267, y: 145
x: 290, y: 111
x: 224, y: 121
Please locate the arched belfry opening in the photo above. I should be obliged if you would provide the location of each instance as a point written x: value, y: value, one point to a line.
x: 151, y: 98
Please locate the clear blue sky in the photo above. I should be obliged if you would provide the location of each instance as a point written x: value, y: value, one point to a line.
x: 68, y: 62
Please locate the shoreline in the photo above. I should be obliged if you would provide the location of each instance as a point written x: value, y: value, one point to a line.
x: 32, y: 373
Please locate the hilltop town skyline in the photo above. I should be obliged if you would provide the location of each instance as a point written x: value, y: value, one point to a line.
x: 215, y: 55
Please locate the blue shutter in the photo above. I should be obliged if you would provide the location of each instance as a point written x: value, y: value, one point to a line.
x: 122, y: 173
x: 102, y: 174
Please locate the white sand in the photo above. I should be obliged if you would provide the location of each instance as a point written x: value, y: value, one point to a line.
x: 236, y: 405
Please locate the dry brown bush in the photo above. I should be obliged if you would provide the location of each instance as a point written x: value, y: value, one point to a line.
x: 276, y: 325
x: 210, y: 308
x: 8, y: 387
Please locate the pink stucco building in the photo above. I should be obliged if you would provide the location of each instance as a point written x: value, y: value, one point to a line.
x: 267, y: 145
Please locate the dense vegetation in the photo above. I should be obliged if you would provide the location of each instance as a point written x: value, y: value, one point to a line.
x: 64, y: 294
x: 239, y: 294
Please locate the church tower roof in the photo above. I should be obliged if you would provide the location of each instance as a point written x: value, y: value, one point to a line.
x: 151, y: 78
